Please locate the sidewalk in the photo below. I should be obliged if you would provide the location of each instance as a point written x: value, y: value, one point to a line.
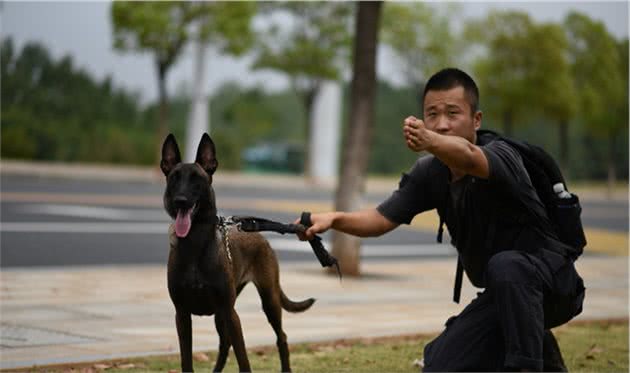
x: 58, y: 315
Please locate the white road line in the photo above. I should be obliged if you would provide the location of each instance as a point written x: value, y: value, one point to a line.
x: 83, y: 227
x: 279, y: 244
x: 107, y: 213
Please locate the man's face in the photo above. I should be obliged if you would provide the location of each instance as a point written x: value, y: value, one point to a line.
x: 449, y: 113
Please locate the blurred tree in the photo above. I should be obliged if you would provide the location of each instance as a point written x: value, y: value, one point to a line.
x: 310, y: 42
x: 164, y: 28
x: 241, y: 117
x: 52, y: 110
x: 600, y: 71
x: 389, y: 155
x: 157, y: 27
x: 421, y: 37
x: 551, y: 81
x: 525, y: 72
x: 503, y: 69
x: 357, y: 142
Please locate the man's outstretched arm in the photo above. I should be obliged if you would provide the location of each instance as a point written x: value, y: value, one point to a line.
x: 364, y: 223
x: 456, y: 152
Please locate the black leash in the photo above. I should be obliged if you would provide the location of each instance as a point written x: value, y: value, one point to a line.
x: 324, y: 257
x: 255, y: 224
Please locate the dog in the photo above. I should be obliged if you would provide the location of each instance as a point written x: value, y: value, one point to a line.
x: 205, y: 276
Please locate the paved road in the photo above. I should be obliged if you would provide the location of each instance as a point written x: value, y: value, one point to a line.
x: 53, y: 222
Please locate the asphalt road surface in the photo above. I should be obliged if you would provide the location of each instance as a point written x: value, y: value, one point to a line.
x: 59, y: 222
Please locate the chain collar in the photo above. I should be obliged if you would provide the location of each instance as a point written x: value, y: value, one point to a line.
x: 224, y: 226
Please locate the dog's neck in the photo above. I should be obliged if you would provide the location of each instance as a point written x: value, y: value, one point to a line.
x: 207, y: 213
x: 200, y: 241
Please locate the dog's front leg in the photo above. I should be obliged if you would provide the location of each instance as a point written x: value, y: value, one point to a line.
x: 236, y: 337
x: 224, y: 342
x: 184, y: 333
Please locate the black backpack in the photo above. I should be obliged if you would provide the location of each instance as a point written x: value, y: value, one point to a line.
x: 563, y: 208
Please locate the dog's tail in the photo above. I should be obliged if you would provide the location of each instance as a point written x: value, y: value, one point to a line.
x: 292, y: 306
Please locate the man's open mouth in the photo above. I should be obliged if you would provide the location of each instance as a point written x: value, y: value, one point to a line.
x: 183, y: 221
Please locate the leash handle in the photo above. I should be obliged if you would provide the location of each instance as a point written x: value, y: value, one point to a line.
x: 325, y: 259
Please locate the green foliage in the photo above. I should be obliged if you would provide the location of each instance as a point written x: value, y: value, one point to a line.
x: 503, y: 72
x: 49, y: 111
x: 421, y: 37
x: 549, y: 73
x: 314, y: 45
x: 389, y: 155
x: 159, y: 27
x: 310, y: 42
x: 164, y: 28
x: 600, y: 70
x: 243, y: 118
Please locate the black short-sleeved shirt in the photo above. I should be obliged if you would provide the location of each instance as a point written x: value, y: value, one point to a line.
x: 483, y: 216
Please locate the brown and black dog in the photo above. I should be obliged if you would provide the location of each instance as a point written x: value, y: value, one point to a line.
x: 203, y: 278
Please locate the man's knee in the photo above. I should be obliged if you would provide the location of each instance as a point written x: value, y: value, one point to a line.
x: 510, y: 266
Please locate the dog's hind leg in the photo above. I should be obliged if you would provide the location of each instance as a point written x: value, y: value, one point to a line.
x: 224, y: 343
x: 273, y: 310
x: 184, y: 333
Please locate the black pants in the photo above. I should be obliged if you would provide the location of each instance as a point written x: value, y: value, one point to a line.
x: 505, y: 326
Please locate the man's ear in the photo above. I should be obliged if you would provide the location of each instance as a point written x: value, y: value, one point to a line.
x: 477, y: 119
x: 170, y: 155
x: 206, y: 155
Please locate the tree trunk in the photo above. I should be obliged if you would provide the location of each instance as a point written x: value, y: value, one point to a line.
x: 612, y: 174
x: 563, y: 137
x: 162, y: 129
x: 358, y: 137
x: 198, y: 114
x: 309, y: 99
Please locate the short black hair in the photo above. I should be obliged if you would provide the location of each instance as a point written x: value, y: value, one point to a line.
x: 449, y: 78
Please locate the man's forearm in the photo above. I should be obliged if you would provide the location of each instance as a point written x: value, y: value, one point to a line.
x: 459, y: 154
x: 365, y: 223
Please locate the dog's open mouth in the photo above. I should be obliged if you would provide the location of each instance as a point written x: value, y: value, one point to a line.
x: 183, y: 222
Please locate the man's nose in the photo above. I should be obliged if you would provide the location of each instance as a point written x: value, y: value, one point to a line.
x: 443, y: 125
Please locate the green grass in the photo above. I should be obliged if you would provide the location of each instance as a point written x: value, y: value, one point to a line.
x: 587, y: 347
x: 595, y: 347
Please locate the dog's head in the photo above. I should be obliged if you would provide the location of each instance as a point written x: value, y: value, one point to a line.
x: 189, y: 196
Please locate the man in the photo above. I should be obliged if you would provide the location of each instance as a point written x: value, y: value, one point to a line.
x: 477, y: 185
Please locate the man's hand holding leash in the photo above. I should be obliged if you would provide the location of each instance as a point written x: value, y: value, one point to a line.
x: 321, y: 223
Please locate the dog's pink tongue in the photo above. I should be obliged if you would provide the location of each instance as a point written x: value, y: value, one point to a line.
x: 182, y: 223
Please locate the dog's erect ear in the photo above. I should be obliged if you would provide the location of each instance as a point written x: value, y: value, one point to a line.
x: 170, y: 155
x: 206, y: 155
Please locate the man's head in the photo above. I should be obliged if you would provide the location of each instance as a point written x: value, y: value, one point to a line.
x: 451, y: 104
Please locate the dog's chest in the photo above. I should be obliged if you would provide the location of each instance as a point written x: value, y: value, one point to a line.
x: 194, y: 290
